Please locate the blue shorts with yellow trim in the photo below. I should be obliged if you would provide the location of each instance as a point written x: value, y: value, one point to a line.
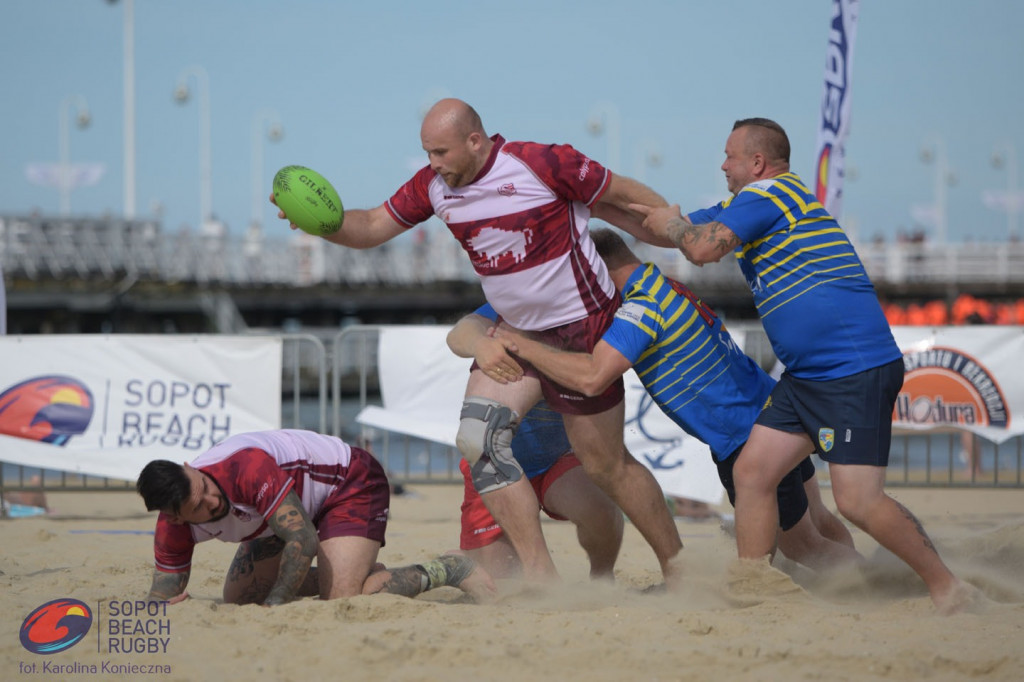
x: 849, y: 420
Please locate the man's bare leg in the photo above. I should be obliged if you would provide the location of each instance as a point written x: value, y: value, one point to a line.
x: 515, y: 507
x: 517, y: 511
x: 860, y: 496
x: 452, y: 570
x: 498, y: 558
x: 804, y: 544
x: 827, y: 523
x: 766, y: 458
x: 597, y: 441
x: 598, y: 521
x: 343, y: 565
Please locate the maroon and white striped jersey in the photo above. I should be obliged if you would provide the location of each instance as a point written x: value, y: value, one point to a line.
x: 523, y: 222
x: 255, y: 471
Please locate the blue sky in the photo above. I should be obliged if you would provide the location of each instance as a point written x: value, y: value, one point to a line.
x: 349, y: 81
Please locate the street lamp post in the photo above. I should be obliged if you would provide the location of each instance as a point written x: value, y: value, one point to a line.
x: 944, y: 177
x: 128, y: 71
x: 129, y: 109
x: 1006, y: 156
x: 604, y: 120
x: 266, y: 125
x: 182, y: 94
x: 82, y: 120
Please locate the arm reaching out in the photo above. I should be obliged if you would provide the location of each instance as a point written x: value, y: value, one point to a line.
x: 360, y: 229
x: 616, y: 206
x: 706, y: 243
x: 590, y: 374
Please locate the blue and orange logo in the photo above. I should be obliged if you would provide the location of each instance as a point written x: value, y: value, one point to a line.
x: 944, y: 386
x: 50, y: 409
x: 56, y: 626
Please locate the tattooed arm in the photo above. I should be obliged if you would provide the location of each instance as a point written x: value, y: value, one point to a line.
x: 701, y: 244
x: 245, y: 584
x: 706, y: 243
x: 168, y: 586
x: 291, y: 523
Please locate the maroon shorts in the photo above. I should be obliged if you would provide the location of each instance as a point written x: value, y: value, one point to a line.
x: 359, y: 506
x: 580, y: 336
x: 479, y: 528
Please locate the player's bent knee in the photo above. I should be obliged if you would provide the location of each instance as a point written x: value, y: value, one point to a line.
x: 490, y: 475
x: 484, y: 439
x: 475, y: 418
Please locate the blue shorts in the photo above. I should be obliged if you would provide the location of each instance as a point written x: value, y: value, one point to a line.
x: 791, y: 494
x: 849, y: 420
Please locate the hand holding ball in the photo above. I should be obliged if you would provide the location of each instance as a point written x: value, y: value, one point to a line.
x: 308, y: 200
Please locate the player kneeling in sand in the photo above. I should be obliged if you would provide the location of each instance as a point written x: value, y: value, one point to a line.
x: 287, y: 496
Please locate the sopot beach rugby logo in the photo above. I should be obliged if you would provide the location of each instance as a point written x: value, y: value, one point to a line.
x: 50, y: 409
x: 946, y: 387
x: 56, y: 626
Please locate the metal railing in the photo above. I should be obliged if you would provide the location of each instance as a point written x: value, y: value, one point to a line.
x: 43, y: 248
x: 405, y: 458
x: 340, y: 376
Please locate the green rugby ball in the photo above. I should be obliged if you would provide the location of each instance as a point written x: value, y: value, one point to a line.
x: 308, y: 200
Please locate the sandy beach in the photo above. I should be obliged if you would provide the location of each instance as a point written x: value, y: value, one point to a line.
x: 872, y: 625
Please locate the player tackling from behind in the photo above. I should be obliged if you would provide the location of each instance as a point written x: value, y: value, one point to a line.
x: 520, y: 211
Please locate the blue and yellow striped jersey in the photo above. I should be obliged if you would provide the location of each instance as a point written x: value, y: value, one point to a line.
x: 686, y: 359
x: 815, y: 300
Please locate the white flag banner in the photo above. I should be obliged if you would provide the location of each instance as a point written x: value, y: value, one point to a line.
x: 107, y: 405
x: 423, y: 383
x: 834, y: 127
x: 961, y: 378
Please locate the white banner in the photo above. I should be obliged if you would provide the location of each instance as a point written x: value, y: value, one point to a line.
x: 965, y: 378
x: 107, y: 405
x: 683, y: 465
x: 835, y: 106
x: 423, y: 384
